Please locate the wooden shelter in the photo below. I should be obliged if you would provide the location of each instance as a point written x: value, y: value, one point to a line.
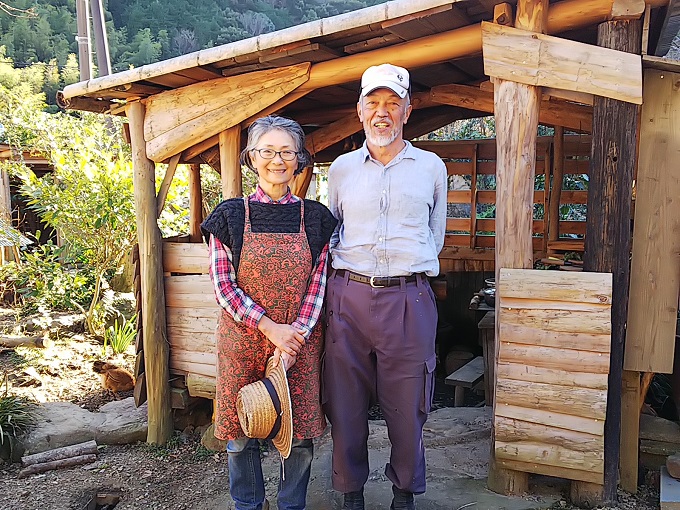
x: 576, y: 65
x: 16, y: 218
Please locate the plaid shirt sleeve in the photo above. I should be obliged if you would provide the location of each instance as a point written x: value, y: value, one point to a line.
x: 227, y: 292
x: 313, y: 300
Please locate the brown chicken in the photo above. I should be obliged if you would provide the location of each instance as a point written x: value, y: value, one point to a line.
x: 114, y: 378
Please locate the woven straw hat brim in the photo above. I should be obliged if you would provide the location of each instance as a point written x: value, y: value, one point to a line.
x: 284, y: 439
x: 256, y: 412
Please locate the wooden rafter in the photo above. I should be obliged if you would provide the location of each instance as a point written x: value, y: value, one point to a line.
x: 554, y: 113
x: 180, y: 118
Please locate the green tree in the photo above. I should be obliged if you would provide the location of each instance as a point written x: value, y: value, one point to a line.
x: 88, y: 198
x: 143, y: 49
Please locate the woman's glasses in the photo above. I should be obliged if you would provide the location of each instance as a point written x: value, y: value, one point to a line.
x: 271, y: 154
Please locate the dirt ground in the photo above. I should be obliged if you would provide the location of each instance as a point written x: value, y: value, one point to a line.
x: 180, y: 475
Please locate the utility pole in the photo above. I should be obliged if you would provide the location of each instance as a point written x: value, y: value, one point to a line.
x: 83, y: 39
x: 100, y: 41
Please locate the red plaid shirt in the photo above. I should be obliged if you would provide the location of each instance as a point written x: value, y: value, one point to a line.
x: 241, y: 306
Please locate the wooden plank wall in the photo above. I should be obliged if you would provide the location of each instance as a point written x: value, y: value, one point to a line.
x: 470, y: 240
x: 552, y: 367
x: 191, y: 313
x: 655, y: 269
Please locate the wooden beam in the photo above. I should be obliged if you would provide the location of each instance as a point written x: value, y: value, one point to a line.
x: 200, y: 147
x: 156, y: 352
x: 630, y: 430
x: 608, y: 238
x: 230, y: 165
x: 655, y: 265
x: 627, y: 9
x: 473, y: 198
x: 542, y: 60
x: 502, y: 14
x: 334, y: 132
x: 300, y: 183
x: 568, y: 95
x: 516, y: 108
x: 550, y: 92
x: 195, y: 204
x: 165, y: 185
x: 556, y: 188
x: 553, y: 113
x: 178, y: 119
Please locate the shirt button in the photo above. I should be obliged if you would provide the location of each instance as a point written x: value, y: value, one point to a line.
x: 382, y: 261
x: 380, y: 239
x: 384, y: 191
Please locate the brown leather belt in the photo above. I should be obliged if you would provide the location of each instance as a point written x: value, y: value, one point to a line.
x: 377, y: 281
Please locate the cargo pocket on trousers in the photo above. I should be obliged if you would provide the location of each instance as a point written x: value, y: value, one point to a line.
x: 428, y: 390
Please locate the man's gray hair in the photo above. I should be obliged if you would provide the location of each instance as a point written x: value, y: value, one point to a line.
x: 264, y: 125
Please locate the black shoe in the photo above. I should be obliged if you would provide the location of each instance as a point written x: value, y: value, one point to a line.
x: 403, y: 500
x: 354, y: 500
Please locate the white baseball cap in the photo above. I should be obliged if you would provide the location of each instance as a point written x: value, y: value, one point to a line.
x: 387, y: 76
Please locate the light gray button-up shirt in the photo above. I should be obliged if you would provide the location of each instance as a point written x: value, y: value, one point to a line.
x: 392, y: 218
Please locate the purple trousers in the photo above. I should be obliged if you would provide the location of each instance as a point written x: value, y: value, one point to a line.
x: 379, y: 348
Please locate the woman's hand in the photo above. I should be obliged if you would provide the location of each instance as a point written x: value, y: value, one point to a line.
x: 287, y: 360
x: 283, y: 336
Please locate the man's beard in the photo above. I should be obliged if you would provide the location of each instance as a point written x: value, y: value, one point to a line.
x: 381, y: 140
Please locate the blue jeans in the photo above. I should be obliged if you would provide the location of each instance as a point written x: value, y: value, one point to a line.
x: 246, y: 483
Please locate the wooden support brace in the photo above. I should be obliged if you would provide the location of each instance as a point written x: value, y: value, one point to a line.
x: 630, y: 430
x: 165, y: 185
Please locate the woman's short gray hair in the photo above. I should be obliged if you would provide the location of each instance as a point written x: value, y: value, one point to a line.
x: 263, y: 126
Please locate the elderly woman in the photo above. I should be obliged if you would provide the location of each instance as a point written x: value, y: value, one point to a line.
x: 268, y: 257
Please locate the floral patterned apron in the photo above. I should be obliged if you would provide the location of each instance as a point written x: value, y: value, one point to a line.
x: 274, y: 270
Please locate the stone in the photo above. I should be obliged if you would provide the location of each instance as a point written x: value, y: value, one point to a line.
x: 673, y: 465
x: 210, y: 442
x: 659, y: 429
x: 63, y: 424
x: 122, y: 422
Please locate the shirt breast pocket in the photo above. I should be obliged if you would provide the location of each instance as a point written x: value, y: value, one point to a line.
x: 414, y: 209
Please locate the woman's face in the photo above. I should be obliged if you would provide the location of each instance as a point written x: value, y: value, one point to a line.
x: 276, y: 171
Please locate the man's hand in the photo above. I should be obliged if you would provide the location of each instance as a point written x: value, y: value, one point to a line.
x: 284, y: 336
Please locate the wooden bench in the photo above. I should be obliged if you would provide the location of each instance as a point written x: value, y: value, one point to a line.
x: 467, y: 376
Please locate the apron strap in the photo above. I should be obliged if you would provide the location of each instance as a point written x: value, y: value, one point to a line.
x: 302, y: 216
x: 246, y: 225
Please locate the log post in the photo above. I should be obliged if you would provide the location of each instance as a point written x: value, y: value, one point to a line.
x: 230, y: 166
x: 156, y: 352
x: 557, y: 182
x: 195, y: 203
x: 608, y: 233
x: 516, y: 108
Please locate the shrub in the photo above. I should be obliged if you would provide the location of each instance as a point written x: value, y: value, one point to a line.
x: 120, y: 335
x: 16, y: 416
x: 42, y: 282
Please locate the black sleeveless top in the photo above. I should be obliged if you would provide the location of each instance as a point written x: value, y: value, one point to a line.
x: 227, y: 222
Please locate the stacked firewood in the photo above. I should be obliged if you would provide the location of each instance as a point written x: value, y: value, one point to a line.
x: 67, y: 456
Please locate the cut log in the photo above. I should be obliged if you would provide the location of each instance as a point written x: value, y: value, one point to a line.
x: 75, y: 450
x: 25, y: 341
x: 57, y: 464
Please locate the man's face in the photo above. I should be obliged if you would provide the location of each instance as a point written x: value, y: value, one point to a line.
x: 383, y: 114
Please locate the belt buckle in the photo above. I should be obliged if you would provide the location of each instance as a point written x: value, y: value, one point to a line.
x: 374, y: 285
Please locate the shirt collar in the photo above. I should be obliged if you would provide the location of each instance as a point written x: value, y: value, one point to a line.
x: 261, y: 196
x: 406, y: 153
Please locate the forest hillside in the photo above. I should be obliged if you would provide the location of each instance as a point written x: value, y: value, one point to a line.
x: 145, y: 31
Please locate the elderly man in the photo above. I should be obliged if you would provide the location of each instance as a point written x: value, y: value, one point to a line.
x: 390, y: 200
